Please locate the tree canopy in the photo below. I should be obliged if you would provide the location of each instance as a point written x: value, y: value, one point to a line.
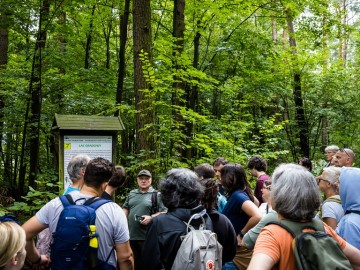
x: 191, y: 80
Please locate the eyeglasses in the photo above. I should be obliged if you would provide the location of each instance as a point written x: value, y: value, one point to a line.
x: 267, y: 187
x: 344, y: 150
x: 320, y: 179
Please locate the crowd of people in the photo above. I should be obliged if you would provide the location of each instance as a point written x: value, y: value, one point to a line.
x: 146, y: 231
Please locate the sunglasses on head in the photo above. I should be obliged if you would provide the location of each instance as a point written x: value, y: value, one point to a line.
x: 344, y: 150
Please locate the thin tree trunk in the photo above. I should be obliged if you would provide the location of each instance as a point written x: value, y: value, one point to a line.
x: 58, y: 95
x: 192, y: 98
x: 4, y: 44
x: 345, y: 33
x: 124, y: 20
x: 36, y: 92
x: 107, y: 33
x: 89, y: 40
x: 297, y: 91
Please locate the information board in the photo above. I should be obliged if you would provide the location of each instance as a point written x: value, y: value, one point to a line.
x: 93, y: 146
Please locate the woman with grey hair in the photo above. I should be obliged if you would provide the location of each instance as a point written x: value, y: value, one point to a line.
x: 295, y: 197
x: 181, y: 193
x: 331, y: 210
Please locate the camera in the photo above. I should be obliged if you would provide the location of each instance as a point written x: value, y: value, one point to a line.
x: 139, y: 218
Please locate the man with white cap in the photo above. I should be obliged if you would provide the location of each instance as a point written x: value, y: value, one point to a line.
x: 141, y: 206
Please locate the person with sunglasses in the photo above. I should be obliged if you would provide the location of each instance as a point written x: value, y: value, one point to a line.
x: 295, y: 197
x: 331, y: 210
x: 265, y: 207
x: 344, y: 157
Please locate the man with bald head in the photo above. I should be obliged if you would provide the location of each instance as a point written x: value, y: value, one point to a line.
x: 344, y: 157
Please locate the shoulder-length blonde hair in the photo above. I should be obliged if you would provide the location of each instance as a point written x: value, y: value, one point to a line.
x: 13, y: 238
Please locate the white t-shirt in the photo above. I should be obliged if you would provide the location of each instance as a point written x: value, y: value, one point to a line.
x: 265, y: 208
x: 332, y: 209
x: 111, y: 223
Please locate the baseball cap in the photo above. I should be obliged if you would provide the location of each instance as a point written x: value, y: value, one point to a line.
x: 144, y: 172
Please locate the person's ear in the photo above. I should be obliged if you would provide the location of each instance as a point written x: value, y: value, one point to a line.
x: 14, y: 260
x: 104, y: 185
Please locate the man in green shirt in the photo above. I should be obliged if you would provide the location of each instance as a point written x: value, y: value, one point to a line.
x: 141, y: 206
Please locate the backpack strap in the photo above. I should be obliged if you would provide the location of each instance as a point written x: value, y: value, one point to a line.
x: 332, y: 199
x: 96, y: 202
x: 10, y: 217
x: 154, y: 204
x: 66, y: 200
x: 296, y: 228
x: 352, y: 211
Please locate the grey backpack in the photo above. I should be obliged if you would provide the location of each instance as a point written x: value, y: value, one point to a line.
x: 199, y: 249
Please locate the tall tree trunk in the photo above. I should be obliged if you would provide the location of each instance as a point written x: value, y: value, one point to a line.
x: 297, y: 91
x: 192, y: 97
x: 324, y: 133
x: 273, y: 25
x: 4, y: 44
x: 124, y: 20
x: 345, y: 33
x: 36, y: 92
x: 107, y: 28
x: 89, y: 39
x: 35, y: 104
x: 58, y: 95
x: 145, y: 141
x: 179, y: 85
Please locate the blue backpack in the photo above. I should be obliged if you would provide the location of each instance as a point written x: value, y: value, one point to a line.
x: 70, y: 248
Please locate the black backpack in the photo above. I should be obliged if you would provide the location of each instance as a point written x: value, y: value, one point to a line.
x: 315, y: 250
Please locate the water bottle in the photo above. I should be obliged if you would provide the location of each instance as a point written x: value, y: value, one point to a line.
x: 93, y: 247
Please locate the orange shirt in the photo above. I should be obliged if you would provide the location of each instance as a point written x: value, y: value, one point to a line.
x: 276, y: 242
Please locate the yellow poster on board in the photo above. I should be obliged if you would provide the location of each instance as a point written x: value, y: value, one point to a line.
x: 67, y: 146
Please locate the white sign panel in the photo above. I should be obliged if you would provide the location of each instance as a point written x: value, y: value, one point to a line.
x: 93, y: 146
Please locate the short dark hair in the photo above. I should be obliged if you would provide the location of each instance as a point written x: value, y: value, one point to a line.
x: 220, y: 161
x: 98, y: 171
x: 205, y: 170
x: 258, y: 163
x: 306, y: 162
x: 118, y: 178
x: 181, y: 188
x: 233, y: 177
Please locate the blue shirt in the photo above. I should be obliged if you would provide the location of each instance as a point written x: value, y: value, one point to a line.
x: 70, y: 189
x: 232, y: 210
x: 221, y: 202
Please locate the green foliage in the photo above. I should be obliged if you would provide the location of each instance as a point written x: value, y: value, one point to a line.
x: 243, y: 80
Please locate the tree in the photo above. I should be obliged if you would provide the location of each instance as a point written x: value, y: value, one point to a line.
x: 145, y: 143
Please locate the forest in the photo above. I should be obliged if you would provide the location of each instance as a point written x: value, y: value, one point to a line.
x: 191, y: 81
